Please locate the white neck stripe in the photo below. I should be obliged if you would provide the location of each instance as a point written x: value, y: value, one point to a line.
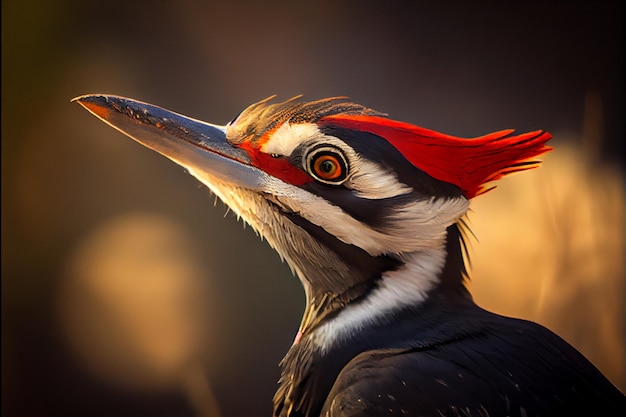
x: 406, y: 286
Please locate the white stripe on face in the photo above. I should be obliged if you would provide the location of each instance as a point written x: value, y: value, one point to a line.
x: 419, y: 225
x: 288, y: 136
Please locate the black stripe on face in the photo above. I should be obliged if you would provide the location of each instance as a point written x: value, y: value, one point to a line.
x: 378, y: 150
x: 374, y: 213
x: 363, y: 267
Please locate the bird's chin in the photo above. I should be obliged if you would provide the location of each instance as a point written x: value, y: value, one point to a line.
x: 246, y: 204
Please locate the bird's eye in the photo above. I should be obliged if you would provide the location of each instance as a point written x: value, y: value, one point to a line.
x: 327, y: 165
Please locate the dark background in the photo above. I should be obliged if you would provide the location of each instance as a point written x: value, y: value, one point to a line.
x: 125, y: 291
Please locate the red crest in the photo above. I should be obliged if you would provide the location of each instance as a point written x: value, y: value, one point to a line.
x: 469, y: 163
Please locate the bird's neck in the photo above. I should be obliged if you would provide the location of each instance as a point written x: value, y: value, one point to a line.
x: 333, y: 333
x: 330, y: 316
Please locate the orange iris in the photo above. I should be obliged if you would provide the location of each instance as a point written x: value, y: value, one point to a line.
x: 327, y: 167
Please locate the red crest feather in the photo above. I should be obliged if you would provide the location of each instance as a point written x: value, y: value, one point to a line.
x: 469, y: 163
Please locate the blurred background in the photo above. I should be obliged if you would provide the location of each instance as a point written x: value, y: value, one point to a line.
x: 127, y: 290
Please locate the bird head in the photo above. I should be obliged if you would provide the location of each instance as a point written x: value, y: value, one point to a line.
x: 363, y: 208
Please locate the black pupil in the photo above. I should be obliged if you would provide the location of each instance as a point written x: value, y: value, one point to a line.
x: 327, y: 166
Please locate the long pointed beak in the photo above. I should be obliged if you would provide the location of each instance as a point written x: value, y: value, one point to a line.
x: 198, y: 146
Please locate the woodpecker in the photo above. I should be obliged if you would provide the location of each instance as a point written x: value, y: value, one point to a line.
x: 369, y: 214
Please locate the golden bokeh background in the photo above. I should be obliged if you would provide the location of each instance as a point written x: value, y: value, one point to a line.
x: 127, y: 291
